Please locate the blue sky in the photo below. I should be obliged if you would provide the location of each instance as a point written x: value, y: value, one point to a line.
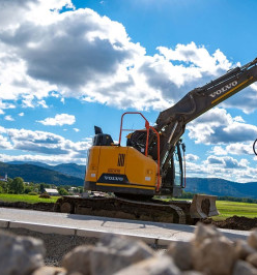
x: 67, y: 66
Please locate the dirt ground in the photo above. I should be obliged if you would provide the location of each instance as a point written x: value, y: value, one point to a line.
x: 235, y: 222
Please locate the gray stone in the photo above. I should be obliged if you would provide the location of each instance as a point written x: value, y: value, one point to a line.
x: 252, y: 259
x: 116, y: 253
x: 192, y: 272
x: 182, y: 254
x: 203, y: 232
x: 20, y: 255
x: 244, y: 268
x: 78, y: 260
x: 243, y: 250
x: 252, y: 239
x: 50, y: 270
x: 214, y: 256
x: 158, y: 265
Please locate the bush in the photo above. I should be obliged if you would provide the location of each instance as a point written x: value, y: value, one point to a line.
x: 27, y: 190
x: 63, y: 192
x: 44, y: 196
x: 32, y: 193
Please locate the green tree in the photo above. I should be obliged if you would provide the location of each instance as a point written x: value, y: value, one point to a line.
x: 17, y: 186
x: 62, y: 191
x: 66, y: 187
x: 41, y: 188
x: 4, y: 186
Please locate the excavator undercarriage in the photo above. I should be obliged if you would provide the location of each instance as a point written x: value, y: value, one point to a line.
x: 176, y: 211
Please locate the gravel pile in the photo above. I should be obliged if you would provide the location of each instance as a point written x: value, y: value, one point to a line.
x: 208, y: 253
x: 56, y: 245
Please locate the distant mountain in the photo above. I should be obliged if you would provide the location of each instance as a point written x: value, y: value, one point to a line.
x: 37, y: 163
x: 37, y: 174
x: 220, y: 187
x: 73, y: 174
x: 69, y: 169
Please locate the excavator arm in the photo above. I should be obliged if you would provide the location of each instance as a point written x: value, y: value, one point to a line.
x: 171, y: 123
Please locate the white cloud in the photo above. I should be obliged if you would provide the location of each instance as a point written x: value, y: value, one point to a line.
x: 76, y: 129
x: 240, y: 148
x: 60, y: 119
x: 4, y: 143
x: 4, y: 106
x: 191, y: 157
x: 21, y: 114
x: 43, y: 51
x: 218, y: 151
x: 9, y: 118
x: 239, y: 119
x: 226, y: 162
x: 40, y: 142
x: 217, y: 126
x: 225, y: 167
x: 197, y: 57
x: 49, y: 159
x: 42, y: 103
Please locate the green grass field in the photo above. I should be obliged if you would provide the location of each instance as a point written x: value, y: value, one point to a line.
x: 229, y: 208
x: 25, y: 198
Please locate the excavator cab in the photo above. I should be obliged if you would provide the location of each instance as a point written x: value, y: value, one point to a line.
x: 122, y: 169
x: 131, y: 169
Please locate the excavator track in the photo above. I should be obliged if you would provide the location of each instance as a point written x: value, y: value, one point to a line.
x: 122, y: 208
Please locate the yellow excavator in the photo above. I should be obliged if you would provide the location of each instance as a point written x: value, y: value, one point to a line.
x: 151, y: 164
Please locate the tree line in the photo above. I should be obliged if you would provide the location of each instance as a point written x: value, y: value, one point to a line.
x: 188, y: 195
x: 18, y: 186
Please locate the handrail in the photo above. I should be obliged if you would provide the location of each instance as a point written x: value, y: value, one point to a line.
x: 148, y: 127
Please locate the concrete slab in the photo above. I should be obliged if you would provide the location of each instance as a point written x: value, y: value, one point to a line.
x: 95, y: 227
x: 4, y: 224
x: 43, y: 228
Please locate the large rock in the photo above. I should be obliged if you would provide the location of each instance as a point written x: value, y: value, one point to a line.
x: 252, y: 239
x: 192, y: 272
x: 244, y: 268
x: 215, y: 256
x: 20, y: 255
x: 78, y: 260
x: 243, y: 249
x: 49, y: 270
x: 116, y: 253
x: 203, y: 232
x: 252, y: 259
x: 113, y: 254
x: 182, y: 254
x: 158, y: 265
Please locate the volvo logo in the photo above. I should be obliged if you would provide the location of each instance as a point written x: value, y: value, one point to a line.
x: 224, y: 89
x: 113, y: 178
